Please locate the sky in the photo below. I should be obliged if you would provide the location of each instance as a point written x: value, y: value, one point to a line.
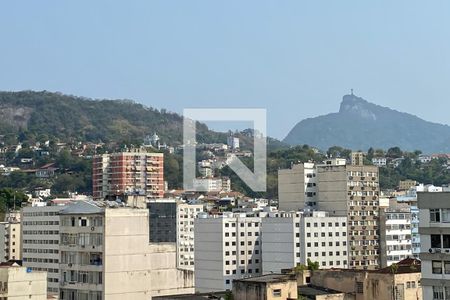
x: 294, y: 58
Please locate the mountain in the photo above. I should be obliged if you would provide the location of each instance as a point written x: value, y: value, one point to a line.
x: 360, y: 125
x: 47, y: 115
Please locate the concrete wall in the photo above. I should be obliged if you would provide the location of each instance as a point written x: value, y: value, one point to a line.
x: 23, y: 285
x: 291, y: 188
x: 244, y: 290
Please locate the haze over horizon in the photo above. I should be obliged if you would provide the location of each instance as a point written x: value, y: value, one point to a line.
x: 295, y: 59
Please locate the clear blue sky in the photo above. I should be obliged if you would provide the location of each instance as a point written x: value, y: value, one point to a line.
x: 295, y: 58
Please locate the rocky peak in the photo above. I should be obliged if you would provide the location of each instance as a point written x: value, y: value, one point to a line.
x: 358, y: 107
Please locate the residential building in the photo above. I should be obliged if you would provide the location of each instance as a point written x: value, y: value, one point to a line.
x: 105, y: 254
x: 21, y: 283
x: 400, y: 283
x: 434, y: 229
x: 379, y: 161
x: 352, y: 191
x: 297, y: 187
x: 233, y: 142
x: 10, y: 240
x: 163, y: 220
x: 212, y: 184
x: 227, y: 247
x: 186, y: 215
x: 136, y: 171
x: 395, y: 233
x: 40, y: 242
x: 405, y: 185
x: 289, y: 239
x: 357, y: 158
x: 266, y: 287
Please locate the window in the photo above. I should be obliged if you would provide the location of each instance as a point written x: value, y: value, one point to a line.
x: 438, y: 292
x: 447, y: 267
x: 435, y: 241
x: 446, y: 241
x: 437, y: 267
x: 276, y: 293
x: 445, y: 215
x: 359, y: 287
x: 227, y: 281
x: 435, y: 215
x: 308, y: 224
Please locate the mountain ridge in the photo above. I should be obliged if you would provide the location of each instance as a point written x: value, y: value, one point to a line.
x: 360, y: 124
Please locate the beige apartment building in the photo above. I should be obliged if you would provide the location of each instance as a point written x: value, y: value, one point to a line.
x: 20, y: 283
x: 266, y: 287
x: 353, y: 191
x: 10, y: 240
x: 297, y: 187
x: 105, y: 254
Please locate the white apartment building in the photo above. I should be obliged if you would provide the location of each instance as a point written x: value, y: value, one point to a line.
x: 227, y: 247
x: 434, y: 229
x: 379, y: 161
x: 186, y: 214
x: 395, y: 235
x: 20, y: 283
x: 10, y: 241
x: 105, y: 254
x: 291, y: 238
x: 297, y: 187
x: 211, y: 184
x: 40, y: 242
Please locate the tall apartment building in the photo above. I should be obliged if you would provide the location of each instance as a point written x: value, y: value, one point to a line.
x: 10, y: 239
x: 434, y: 229
x: 289, y: 239
x: 40, y: 242
x: 186, y: 215
x: 395, y: 234
x: 297, y: 187
x: 227, y: 247
x: 128, y: 172
x: 352, y: 191
x: 105, y: 254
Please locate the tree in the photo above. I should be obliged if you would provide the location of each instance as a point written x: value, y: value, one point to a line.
x: 312, y: 266
x: 394, y: 152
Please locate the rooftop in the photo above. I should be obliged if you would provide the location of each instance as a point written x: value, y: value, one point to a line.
x: 269, y: 278
x: 311, y: 290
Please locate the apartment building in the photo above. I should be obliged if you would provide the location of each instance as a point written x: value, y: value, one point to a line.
x: 136, y: 171
x: 186, y: 215
x: 10, y: 240
x: 434, y: 229
x: 40, y: 242
x: 395, y: 234
x: 379, y: 161
x: 105, y: 254
x: 293, y: 238
x: 353, y: 191
x: 20, y: 283
x: 227, y: 247
x: 297, y: 187
x: 163, y: 220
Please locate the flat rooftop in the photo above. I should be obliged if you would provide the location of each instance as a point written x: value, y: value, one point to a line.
x: 268, y: 278
x: 311, y: 290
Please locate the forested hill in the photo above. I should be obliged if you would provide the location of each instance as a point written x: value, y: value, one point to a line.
x: 68, y: 117
x: 47, y: 115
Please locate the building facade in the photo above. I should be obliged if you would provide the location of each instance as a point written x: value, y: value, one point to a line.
x: 10, y: 240
x: 128, y: 172
x: 289, y: 239
x: 434, y: 229
x: 40, y: 240
x: 227, y: 247
x: 20, y: 283
x: 186, y: 215
x: 297, y: 187
x: 395, y: 235
x: 353, y: 191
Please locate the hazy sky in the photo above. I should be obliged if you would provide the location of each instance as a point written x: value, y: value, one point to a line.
x: 295, y: 58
